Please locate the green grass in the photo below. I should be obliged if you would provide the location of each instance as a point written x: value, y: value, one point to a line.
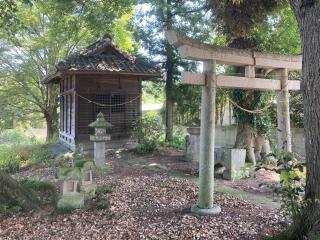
x: 16, y: 136
x: 16, y: 156
x: 19, y: 149
x: 45, y: 190
x: 37, y: 184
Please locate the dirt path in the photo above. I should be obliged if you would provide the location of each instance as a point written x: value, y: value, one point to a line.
x: 151, y: 199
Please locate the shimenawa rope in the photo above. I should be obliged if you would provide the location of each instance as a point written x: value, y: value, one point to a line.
x: 109, y: 105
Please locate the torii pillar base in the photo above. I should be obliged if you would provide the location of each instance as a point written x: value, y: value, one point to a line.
x: 205, y: 211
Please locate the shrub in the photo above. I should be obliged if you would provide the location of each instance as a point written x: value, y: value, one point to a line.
x: 7, y: 209
x: 291, y: 187
x: 65, y: 210
x: 41, y: 156
x: 104, y: 190
x: 37, y: 184
x: 102, y: 204
x: 148, y: 130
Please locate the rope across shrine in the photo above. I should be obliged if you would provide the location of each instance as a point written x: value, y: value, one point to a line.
x: 109, y: 105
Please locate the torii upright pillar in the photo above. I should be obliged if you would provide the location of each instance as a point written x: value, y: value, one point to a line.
x: 205, y: 204
x: 283, y: 112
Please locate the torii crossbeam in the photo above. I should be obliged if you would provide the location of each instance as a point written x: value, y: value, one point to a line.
x: 211, y: 55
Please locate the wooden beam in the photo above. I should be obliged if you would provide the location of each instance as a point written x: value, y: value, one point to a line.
x: 266, y: 60
x: 192, y: 49
x: 225, y: 81
x: 221, y: 55
x: 193, y: 78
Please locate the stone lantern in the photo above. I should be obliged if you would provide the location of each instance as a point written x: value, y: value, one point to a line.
x: 99, y: 138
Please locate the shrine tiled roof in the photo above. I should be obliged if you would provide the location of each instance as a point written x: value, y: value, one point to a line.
x: 106, y: 62
x: 104, y: 56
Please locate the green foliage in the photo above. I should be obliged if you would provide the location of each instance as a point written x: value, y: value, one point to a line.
x: 187, y: 104
x: 103, y: 203
x: 7, y: 209
x: 148, y: 130
x: 64, y: 210
x: 280, y: 34
x: 238, y: 19
x: 122, y: 34
x: 104, y: 190
x: 291, y: 170
x: 296, y: 109
x: 37, y: 184
x: 45, y: 190
x: 153, y: 92
x: 178, y: 138
x: 153, y: 18
x: 245, y: 171
x: 254, y: 100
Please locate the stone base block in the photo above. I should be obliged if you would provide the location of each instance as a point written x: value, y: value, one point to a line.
x: 205, y: 211
x: 71, y: 200
x: 100, y: 154
x: 233, y: 160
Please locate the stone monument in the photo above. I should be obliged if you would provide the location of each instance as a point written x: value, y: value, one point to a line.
x: 71, y: 195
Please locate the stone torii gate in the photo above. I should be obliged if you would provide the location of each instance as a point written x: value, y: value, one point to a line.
x: 211, y: 55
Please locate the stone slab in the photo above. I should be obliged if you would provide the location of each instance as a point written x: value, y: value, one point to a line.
x: 71, y: 200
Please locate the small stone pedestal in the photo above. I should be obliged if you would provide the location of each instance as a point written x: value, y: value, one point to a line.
x: 71, y: 196
x: 88, y: 186
x: 100, y: 139
x: 193, y: 144
x: 233, y: 159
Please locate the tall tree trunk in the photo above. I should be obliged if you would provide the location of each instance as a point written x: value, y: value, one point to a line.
x: 13, y: 194
x: 169, y: 76
x: 52, y: 127
x: 50, y: 113
x: 245, y: 139
x: 169, y: 103
x: 261, y: 147
x: 307, y: 226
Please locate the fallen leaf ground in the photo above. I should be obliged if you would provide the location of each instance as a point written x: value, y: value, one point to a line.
x: 151, y: 199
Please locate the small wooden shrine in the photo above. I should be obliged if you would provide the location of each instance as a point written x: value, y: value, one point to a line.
x: 99, y: 78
